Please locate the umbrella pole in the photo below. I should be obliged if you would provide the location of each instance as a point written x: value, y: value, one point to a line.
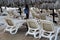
x: 54, y: 16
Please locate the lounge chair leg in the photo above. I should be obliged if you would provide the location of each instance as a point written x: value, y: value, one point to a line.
x: 13, y: 32
x: 35, y: 35
x: 50, y: 39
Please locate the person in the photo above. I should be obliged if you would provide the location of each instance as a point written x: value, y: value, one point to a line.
x: 26, y: 11
x: 0, y: 8
x: 20, y: 10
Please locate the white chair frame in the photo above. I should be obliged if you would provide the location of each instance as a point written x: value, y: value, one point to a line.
x: 34, y: 33
x: 50, y: 36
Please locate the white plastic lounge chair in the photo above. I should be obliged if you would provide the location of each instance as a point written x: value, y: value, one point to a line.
x: 48, y: 30
x: 33, y: 27
x: 11, y: 27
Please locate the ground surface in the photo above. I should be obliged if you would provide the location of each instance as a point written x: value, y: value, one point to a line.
x: 19, y: 36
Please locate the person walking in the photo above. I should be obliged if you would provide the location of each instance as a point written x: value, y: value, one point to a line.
x: 20, y: 10
x: 26, y: 11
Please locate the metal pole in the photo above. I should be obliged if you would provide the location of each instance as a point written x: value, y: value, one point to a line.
x: 53, y: 15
